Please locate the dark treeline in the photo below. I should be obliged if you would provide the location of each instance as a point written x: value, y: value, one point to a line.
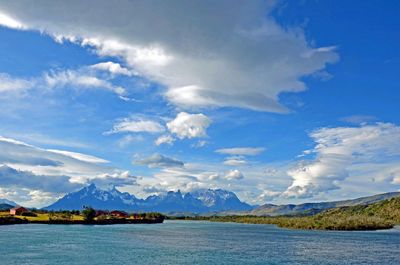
x: 76, y: 212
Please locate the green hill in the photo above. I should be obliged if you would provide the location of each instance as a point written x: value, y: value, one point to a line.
x: 387, y: 209
x: 310, y: 208
x: 291, y: 209
x: 379, y: 215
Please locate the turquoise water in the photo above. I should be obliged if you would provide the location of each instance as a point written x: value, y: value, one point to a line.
x: 191, y: 242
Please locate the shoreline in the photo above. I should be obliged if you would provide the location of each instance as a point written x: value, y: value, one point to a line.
x: 284, y: 225
x: 16, y: 220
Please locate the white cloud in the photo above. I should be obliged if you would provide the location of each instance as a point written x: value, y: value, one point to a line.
x: 187, y: 125
x: 173, y: 178
x: 114, y: 68
x: 358, y: 119
x: 237, y: 56
x: 199, y: 144
x: 79, y: 168
x: 236, y: 161
x: 28, y: 197
x: 27, y: 171
x: 80, y: 79
x: 121, y: 178
x: 79, y: 156
x: 138, y: 125
x: 268, y: 195
x: 9, y: 22
x: 344, y: 152
x: 214, y: 176
x: 159, y: 160
x: 234, y: 175
x: 129, y: 138
x: 128, y: 99
x: 25, y: 179
x: 186, y: 178
x: 164, y: 139
x: 241, y: 151
x: 10, y: 84
x: 45, y: 139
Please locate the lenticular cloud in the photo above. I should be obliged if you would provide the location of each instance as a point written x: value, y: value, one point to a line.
x: 205, y: 53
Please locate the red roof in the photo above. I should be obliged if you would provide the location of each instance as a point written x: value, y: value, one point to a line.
x: 120, y: 213
x: 19, y: 208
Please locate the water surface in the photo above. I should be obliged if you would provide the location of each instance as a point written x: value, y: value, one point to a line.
x: 193, y: 242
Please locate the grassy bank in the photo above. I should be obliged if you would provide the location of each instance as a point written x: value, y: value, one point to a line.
x: 380, y: 215
x: 66, y: 217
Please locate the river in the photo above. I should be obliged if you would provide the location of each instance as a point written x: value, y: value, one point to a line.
x: 193, y: 242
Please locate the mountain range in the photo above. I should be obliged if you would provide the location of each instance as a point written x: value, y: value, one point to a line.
x: 204, y: 202
x: 5, y: 201
x: 5, y: 206
x: 307, y: 208
x: 199, y: 201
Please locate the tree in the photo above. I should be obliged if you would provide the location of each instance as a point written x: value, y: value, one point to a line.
x: 88, y: 214
x: 51, y: 215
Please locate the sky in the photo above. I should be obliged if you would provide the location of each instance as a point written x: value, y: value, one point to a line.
x: 277, y: 101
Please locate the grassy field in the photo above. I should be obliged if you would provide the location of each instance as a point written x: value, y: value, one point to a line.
x: 65, y: 216
x: 43, y: 217
x: 380, y: 215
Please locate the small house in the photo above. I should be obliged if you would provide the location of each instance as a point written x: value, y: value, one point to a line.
x: 119, y: 214
x: 136, y: 216
x: 17, y: 210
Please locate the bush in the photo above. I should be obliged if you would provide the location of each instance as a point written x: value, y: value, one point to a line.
x: 75, y: 212
x: 154, y: 215
x: 29, y: 214
x: 88, y: 214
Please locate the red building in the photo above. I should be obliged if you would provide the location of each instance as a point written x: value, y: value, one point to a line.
x: 119, y: 214
x: 136, y: 216
x: 101, y: 213
x: 17, y: 210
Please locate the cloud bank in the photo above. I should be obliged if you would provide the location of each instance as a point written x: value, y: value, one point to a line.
x: 344, y: 152
x: 29, y: 169
x: 203, y: 52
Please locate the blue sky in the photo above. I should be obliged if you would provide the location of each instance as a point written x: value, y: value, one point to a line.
x: 275, y: 100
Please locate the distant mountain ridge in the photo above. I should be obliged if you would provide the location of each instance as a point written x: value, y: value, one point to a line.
x: 199, y: 201
x: 5, y: 201
x: 5, y: 206
x: 309, y: 208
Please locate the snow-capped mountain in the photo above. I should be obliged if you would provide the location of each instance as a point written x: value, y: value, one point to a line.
x: 96, y: 198
x: 200, y: 201
x: 219, y: 200
x: 5, y: 201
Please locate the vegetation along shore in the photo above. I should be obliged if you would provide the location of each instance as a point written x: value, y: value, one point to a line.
x: 87, y: 216
x: 374, y: 216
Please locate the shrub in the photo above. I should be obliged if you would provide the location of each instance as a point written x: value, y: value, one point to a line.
x: 29, y: 214
x: 88, y: 214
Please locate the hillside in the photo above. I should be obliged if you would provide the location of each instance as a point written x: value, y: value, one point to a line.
x: 302, y: 209
x: 379, y: 215
x: 387, y: 209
